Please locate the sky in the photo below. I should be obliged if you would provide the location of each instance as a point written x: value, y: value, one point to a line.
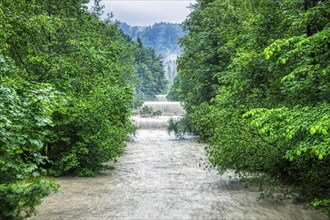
x: 147, y: 12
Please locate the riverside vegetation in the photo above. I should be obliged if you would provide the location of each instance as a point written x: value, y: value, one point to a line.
x: 66, y: 94
x: 254, y: 78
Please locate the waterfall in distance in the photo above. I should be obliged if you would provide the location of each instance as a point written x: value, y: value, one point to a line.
x: 161, y: 98
x: 168, y: 110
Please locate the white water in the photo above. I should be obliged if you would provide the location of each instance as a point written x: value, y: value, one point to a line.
x: 161, y: 98
x: 160, y: 177
x: 167, y: 108
x: 151, y: 123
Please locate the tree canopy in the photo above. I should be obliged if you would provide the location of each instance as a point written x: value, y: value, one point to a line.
x: 151, y: 79
x: 67, y: 84
x: 254, y: 78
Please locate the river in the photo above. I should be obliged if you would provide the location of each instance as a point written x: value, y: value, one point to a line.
x: 161, y: 177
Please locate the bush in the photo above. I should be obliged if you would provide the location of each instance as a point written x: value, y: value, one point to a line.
x: 254, y: 81
x: 24, y: 122
x: 148, y: 112
x: 90, y: 132
x: 18, y: 199
x: 179, y: 127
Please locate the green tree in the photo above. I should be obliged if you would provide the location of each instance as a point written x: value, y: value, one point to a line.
x: 97, y: 9
x: 25, y: 116
x: 66, y: 96
x: 151, y: 80
x: 254, y: 79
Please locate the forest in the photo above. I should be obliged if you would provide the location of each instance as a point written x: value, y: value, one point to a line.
x: 162, y: 37
x: 68, y: 82
x: 254, y: 78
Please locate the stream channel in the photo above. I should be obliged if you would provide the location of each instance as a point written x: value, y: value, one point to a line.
x: 161, y: 177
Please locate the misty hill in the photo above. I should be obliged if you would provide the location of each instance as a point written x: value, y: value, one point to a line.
x: 163, y: 38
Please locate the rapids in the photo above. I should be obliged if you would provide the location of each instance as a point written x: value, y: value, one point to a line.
x: 167, y: 108
x: 159, y: 122
x: 161, y: 177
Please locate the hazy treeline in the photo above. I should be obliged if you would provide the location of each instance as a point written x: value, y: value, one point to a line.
x: 162, y: 37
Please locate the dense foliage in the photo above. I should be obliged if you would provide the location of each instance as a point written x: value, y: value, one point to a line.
x: 254, y: 78
x: 25, y: 114
x: 151, y: 79
x: 66, y: 92
x: 163, y: 38
x: 148, y: 112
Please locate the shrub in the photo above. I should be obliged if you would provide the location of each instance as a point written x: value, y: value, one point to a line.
x: 179, y: 127
x: 89, y: 132
x: 24, y: 121
x: 148, y: 112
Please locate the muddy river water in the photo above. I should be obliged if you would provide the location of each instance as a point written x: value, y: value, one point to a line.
x: 161, y: 177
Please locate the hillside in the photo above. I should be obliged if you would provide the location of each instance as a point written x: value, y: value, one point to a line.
x: 163, y: 38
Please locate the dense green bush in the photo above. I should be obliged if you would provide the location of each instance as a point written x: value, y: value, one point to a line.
x: 25, y: 118
x: 66, y: 85
x: 92, y: 66
x: 66, y: 94
x: 104, y: 120
x: 254, y: 79
x: 179, y: 126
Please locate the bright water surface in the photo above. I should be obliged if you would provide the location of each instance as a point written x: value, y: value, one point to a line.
x: 161, y: 177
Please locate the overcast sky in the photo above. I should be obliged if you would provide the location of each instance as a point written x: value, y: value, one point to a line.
x: 147, y: 12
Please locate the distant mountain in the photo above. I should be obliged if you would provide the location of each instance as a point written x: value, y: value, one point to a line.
x: 163, y: 38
